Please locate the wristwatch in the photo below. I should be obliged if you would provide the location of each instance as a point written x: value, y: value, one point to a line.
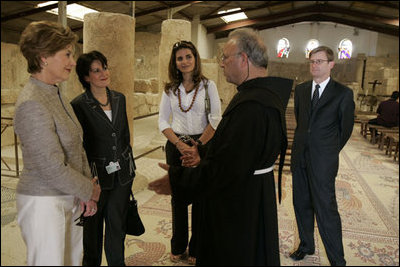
x: 199, y: 142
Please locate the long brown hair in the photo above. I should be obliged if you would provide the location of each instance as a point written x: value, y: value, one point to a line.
x: 175, y: 76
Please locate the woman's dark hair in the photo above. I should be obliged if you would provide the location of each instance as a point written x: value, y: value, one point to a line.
x: 175, y: 76
x: 44, y: 39
x: 83, y: 65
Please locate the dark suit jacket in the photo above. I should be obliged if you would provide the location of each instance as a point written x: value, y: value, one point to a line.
x: 106, y: 141
x: 324, y: 133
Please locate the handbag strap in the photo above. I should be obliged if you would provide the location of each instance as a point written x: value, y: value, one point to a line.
x: 207, y: 100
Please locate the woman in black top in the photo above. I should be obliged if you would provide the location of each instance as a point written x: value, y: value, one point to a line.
x: 102, y: 114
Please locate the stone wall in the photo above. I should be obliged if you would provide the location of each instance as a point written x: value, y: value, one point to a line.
x: 146, y: 55
x: 146, y: 97
x: 386, y: 71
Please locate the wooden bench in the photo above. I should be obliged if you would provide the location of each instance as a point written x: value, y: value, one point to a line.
x: 376, y: 130
x: 364, y: 127
x: 396, y: 147
x: 392, y: 144
x: 382, y: 138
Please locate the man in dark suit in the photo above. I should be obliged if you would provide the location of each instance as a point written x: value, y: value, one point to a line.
x: 324, y: 111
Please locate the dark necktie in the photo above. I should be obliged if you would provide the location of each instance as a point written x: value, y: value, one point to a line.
x: 315, y: 97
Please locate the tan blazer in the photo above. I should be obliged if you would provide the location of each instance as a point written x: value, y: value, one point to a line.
x: 50, y: 135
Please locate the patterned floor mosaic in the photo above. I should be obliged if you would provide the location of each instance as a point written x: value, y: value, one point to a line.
x: 367, y: 190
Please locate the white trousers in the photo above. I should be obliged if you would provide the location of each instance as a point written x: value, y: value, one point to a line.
x: 49, y: 231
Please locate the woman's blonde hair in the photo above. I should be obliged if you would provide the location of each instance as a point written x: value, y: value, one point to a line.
x: 43, y: 39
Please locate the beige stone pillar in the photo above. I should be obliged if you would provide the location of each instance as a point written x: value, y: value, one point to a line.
x: 113, y: 35
x: 172, y: 31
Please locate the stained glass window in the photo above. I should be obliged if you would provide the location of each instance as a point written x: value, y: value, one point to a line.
x: 283, y: 48
x: 310, y: 46
x: 345, y: 49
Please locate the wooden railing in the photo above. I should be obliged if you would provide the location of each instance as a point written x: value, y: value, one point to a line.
x: 7, y: 122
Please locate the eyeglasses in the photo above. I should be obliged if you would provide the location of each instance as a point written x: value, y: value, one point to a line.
x: 97, y: 70
x: 223, y: 57
x: 317, y: 61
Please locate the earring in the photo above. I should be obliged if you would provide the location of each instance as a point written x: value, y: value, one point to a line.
x: 45, y: 63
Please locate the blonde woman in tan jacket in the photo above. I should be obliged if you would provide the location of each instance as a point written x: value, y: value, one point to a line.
x: 56, y: 177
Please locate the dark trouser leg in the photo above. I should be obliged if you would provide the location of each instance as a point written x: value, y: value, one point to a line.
x: 180, y: 233
x: 115, y: 221
x: 304, y: 210
x: 328, y: 219
x: 373, y: 121
x: 93, y: 235
x: 180, y: 226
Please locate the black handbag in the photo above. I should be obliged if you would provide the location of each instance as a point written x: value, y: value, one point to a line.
x: 134, y: 225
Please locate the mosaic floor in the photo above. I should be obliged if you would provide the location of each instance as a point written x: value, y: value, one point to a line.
x: 367, y: 189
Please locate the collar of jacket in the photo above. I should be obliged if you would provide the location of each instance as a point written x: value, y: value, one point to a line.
x: 50, y: 87
x: 89, y: 97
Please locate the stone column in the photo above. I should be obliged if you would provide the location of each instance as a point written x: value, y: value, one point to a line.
x: 113, y: 35
x: 172, y: 31
x: 195, y: 30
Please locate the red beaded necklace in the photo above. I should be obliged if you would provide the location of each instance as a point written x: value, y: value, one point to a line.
x: 191, y: 105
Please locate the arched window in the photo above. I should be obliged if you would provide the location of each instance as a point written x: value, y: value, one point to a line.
x: 345, y: 49
x: 310, y: 46
x: 283, y: 48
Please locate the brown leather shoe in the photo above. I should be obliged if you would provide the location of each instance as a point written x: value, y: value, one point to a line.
x: 192, y: 260
x: 177, y: 258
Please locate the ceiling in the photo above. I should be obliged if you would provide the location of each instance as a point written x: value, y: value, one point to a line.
x: 378, y: 16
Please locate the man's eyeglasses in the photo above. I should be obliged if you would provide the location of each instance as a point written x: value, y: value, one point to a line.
x: 222, y: 58
x: 317, y: 61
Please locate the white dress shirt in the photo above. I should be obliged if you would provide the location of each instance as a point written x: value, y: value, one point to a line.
x: 194, y: 121
x: 321, y: 88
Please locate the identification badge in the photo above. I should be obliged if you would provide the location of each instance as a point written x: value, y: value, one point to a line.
x: 113, y: 167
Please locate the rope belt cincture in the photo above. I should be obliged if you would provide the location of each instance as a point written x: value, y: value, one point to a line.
x: 262, y: 171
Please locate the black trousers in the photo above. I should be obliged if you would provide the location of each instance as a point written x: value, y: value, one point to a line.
x: 315, y: 196
x: 112, y: 210
x: 180, y: 227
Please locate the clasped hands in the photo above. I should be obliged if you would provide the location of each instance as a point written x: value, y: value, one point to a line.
x: 190, y: 154
x: 190, y: 158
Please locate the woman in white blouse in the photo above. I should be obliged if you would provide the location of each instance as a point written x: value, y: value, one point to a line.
x: 184, y: 99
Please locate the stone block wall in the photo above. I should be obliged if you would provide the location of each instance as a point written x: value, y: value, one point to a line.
x: 386, y: 71
x: 146, y: 55
x: 146, y: 97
